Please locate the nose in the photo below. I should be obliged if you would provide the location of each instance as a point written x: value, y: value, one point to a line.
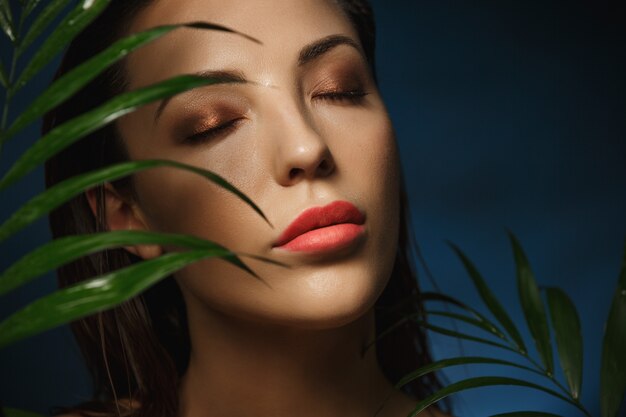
x: 302, y: 152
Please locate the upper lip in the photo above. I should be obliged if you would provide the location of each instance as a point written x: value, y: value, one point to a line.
x: 336, y: 212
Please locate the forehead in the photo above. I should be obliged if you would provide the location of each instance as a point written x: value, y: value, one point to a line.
x: 283, y: 27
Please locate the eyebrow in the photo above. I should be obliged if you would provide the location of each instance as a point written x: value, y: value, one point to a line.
x: 318, y: 48
x: 219, y: 77
x: 307, y: 54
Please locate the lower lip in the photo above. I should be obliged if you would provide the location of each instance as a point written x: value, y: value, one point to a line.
x: 325, y: 239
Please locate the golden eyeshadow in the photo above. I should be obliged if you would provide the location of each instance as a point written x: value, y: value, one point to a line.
x: 199, y: 120
x: 339, y: 75
x: 205, y: 124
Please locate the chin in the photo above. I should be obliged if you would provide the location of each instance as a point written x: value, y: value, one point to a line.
x: 331, y: 299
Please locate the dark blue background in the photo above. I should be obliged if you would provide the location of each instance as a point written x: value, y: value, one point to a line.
x: 509, y: 114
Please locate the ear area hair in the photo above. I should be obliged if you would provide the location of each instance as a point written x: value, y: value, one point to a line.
x: 119, y: 213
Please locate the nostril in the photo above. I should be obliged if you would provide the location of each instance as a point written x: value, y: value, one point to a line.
x: 323, y: 167
x: 294, y: 173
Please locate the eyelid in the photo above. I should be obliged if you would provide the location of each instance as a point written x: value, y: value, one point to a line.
x: 342, y: 86
x: 220, y: 129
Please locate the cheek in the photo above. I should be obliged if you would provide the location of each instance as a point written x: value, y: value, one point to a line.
x: 363, y: 144
x: 176, y: 201
x: 379, y: 168
x: 366, y: 151
x: 379, y: 174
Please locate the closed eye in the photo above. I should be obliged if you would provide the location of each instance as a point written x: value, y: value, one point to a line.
x: 213, y: 132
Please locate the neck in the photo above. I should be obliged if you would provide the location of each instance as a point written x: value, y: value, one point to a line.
x: 239, y: 368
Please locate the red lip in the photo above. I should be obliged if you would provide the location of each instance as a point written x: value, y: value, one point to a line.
x: 345, y: 215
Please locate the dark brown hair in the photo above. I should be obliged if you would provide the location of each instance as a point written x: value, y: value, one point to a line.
x: 140, y: 349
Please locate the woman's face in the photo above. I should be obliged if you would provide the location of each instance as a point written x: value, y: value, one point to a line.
x: 306, y: 129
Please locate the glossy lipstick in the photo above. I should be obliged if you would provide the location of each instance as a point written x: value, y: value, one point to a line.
x: 320, y: 229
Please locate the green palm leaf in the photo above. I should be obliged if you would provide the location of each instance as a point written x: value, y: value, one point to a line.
x: 489, y: 299
x: 6, y: 22
x: 433, y: 296
x: 4, y: 77
x: 464, y: 360
x: 12, y: 412
x: 478, y: 382
x: 62, y: 136
x: 613, y: 367
x: 64, y: 250
x: 532, y: 306
x: 481, y: 324
x: 45, y: 17
x: 569, y: 339
x: 5, y: 7
x: 60, y: 193
x: 76, y: 20
x: 416, y: 317
x: 459, y: 335
x: 74, y: 80
x: 29, y: 6
x: 96, y: 294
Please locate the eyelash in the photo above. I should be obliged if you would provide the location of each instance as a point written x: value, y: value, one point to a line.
x: 213, y: 132
x: 353, y: 96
